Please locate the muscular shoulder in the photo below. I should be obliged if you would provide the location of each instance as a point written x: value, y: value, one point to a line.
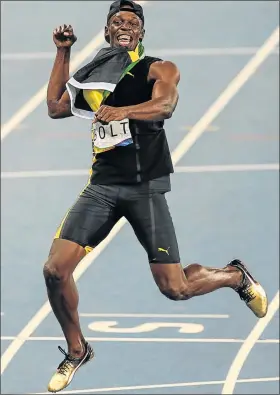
x: 164, y: 70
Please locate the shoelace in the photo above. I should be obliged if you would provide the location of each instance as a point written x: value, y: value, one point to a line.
x: 246, y: 294
x: 65, y: 365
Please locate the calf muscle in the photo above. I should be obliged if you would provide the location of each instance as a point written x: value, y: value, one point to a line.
x: 62, y: 291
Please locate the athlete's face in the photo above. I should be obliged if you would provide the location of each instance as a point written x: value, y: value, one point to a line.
x: 124, y: 29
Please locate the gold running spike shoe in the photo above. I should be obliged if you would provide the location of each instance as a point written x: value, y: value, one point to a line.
x: 67, y: 368
x: 250, y: 291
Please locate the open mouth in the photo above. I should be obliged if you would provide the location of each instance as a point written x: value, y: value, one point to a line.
x: 124, y: 40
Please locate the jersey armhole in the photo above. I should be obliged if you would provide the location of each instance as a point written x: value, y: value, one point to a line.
x: 149, y: 62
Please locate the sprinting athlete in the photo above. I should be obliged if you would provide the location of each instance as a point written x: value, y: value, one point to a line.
x: 128, y: 179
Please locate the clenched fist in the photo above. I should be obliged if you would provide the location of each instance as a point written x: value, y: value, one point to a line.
x: 63, y: 36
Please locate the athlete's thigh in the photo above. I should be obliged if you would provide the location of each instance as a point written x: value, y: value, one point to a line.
x: 92, y: 217
x: 150, y: 218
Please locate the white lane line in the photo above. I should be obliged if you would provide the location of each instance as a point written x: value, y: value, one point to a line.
x: 234, y: 86
x: 140, y: 339
x: 227, y: 168
x: 140, y: 315
x: 172, y: 385
x: 247, y: 346
x: 45, y: 173
x: 230, y: 51
x: 178, y: 169
x: 20, y: 2
x: 198, y: 129
x: 226, y: 51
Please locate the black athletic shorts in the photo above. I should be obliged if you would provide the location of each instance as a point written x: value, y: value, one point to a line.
x: 99, y: 207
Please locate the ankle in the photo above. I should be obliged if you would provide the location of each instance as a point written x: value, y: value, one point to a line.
x: 77, y: 350
x: 236, y: 277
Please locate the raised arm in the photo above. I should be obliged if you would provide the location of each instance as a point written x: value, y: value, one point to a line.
x: 58, y: 99
x: 162, y: 104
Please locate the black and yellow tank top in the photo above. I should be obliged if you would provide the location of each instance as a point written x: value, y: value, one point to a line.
x: 145, y: 154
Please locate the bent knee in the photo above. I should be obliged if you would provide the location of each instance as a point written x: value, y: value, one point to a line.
x: 54, y: 274
x: 174, y: 292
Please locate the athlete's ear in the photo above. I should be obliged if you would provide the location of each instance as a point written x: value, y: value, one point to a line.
x: 106, y: 34
x: 142, y: 35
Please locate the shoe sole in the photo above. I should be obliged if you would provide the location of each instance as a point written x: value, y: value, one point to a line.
x: 88, y: 357
x: 246, y: 272
x: 244, y: 269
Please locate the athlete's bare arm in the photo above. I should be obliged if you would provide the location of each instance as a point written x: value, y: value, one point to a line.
x: 163, y: 102
x: 58, y: 99
x: 164, y: 95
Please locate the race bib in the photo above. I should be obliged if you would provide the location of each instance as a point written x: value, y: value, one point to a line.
x: 112, y: 134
